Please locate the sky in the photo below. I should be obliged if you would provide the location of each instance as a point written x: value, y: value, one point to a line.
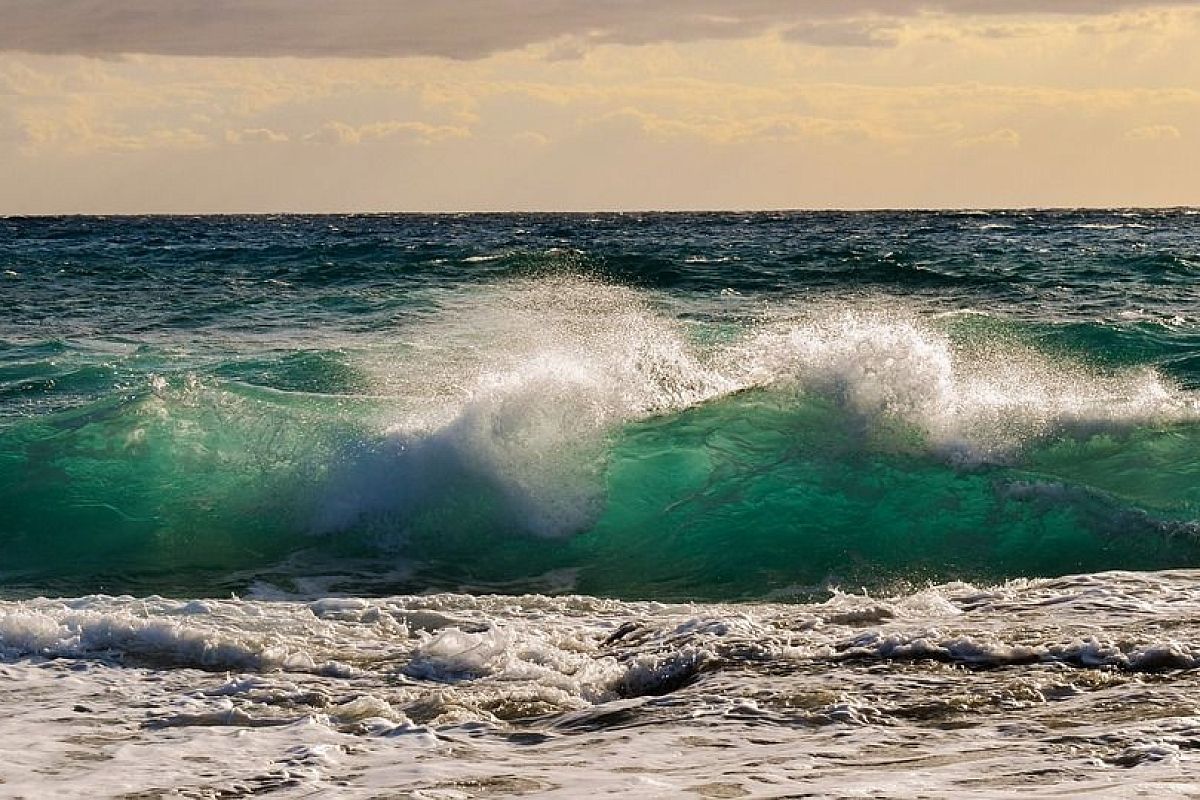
x: 202, y: 106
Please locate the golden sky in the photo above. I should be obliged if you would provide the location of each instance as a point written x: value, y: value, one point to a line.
x: 188, y: 106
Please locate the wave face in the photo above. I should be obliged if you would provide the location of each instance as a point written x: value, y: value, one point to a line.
x: 662, y: 406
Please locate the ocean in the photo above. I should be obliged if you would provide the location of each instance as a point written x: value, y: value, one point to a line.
x: 796, y: 504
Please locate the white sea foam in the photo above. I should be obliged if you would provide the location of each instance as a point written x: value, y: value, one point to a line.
x: 452, y: 695
x: 972, y: 400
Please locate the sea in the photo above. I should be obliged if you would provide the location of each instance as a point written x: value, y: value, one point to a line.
x: 647, y: 505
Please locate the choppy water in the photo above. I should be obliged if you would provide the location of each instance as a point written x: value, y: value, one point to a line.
x: 631, y: 411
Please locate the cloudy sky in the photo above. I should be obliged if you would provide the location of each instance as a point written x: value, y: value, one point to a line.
x: 187, y: 106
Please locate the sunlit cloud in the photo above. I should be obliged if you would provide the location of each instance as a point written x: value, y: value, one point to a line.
x: 335, y: 132
x: 256, y: 135
x: 1153, y: 133
x: 1004, y: 137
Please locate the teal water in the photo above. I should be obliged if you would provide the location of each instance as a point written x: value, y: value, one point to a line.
x: 698, y: 406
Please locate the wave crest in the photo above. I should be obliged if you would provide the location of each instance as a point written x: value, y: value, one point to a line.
x: 547, y: 373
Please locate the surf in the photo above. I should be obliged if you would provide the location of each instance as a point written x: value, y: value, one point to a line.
x: 565, y: 433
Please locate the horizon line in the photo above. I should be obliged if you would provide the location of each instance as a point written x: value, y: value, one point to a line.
x: 612, y: 212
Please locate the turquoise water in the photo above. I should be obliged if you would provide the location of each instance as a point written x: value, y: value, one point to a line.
x: 700, y: 406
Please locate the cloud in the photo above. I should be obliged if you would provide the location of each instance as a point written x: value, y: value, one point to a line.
x: 78, y: 130
x: 1153, y: 133
x: 1005, y: 138
x: 421, y: 132
x: 466, y: 29
x: 719, y: 129
x: 259, y: 135
x: 531, y: 138
x: 843, y: 33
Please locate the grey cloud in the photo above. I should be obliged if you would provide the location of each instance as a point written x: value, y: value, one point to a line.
x: 843, y: 33
x: 462, y: 29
